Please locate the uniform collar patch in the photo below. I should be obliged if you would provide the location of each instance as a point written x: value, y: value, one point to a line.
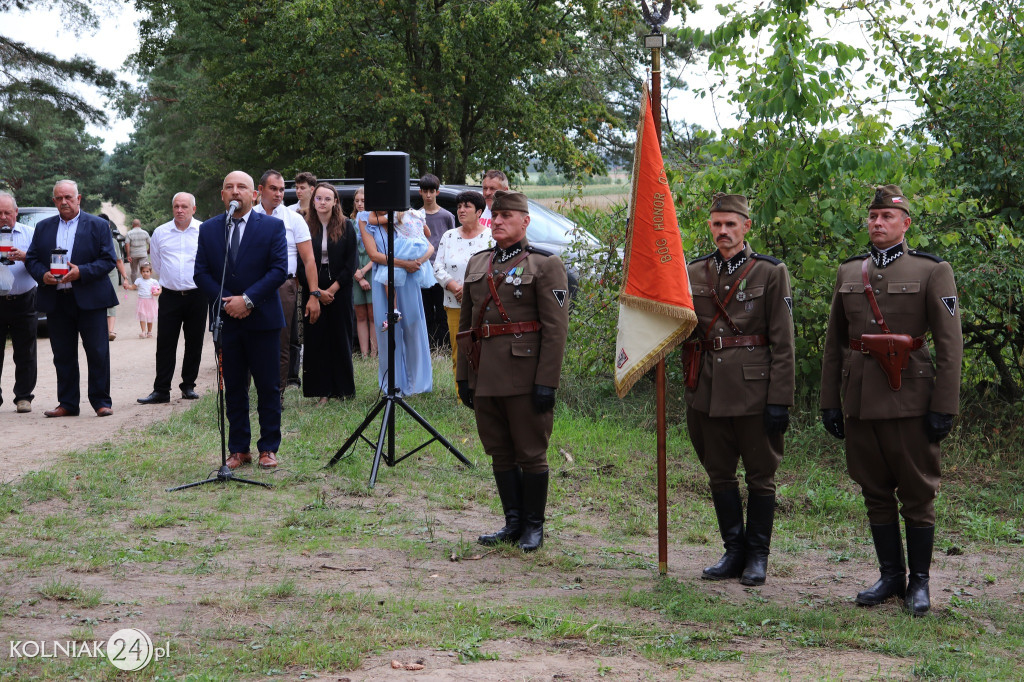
x: 882, y: 258
x: 731, y: 265
x: 950, y: 303
x: 560, y: 296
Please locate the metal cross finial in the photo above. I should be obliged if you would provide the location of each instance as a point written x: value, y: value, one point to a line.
x: 659, y: 16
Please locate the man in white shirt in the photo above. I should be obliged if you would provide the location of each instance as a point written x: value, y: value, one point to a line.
x: 182, y: 306
x: 18, y: 307
x: 492, y: 182
x: 300, y: 247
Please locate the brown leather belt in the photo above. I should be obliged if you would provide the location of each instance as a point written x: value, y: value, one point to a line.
x: 856, y: 345
x: 720, y: 342
x: 485, y: 331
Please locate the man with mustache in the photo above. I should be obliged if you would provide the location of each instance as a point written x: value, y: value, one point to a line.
x: 739, y: 384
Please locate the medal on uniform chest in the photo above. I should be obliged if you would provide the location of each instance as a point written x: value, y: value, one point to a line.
x: 508, y: 279
x: 741, y: 295
x: 518, y: 293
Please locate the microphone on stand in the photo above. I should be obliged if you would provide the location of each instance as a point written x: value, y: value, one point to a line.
x: 232, y: 207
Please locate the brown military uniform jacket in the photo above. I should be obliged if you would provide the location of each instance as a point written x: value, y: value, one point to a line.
x: 511, y: 364
x: 916, y: 293
x: 737, y: 382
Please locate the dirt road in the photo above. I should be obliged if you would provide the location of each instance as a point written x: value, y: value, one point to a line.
x: 33, y: 441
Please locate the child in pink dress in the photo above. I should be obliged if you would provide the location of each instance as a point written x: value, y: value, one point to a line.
x: 146, y: 310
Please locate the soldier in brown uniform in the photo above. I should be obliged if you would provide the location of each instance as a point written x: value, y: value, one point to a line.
x: 515, y: 309
x: 883, y: 392
x: 739, y: 384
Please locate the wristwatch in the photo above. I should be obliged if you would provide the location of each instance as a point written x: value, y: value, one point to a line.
x: 248, y: 302
x: 315, y: 293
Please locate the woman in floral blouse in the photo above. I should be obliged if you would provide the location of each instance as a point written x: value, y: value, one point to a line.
x: 453, y: 254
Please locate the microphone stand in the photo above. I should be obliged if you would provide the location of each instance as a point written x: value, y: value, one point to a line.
x: 225, y: 473
x: 393, y: 397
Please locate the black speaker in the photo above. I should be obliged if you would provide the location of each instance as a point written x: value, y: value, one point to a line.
x: 387, y: 181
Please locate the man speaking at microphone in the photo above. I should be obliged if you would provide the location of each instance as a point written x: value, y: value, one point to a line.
x: 248, y: 250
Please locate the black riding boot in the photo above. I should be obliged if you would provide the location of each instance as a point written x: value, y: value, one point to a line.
x: 729, y: 510
x: 919, y: 560
x: 510, y: 491
x: 760, y: 519
x: 893, y: 581
x: 535, y: 498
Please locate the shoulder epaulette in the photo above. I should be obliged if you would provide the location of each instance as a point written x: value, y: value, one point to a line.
x: 697, y: 260
x: 925, y: 254
x: 859, y: 256
x: 542, y: 252
x: 761, y: 256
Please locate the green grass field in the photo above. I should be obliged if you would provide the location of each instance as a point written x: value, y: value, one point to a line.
x: 321, y: 576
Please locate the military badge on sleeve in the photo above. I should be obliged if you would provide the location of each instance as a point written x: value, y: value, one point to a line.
x: 560, y: 295
x: 789, y: 302
x: 950, y: 303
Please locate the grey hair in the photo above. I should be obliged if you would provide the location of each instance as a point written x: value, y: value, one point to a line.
x: 8, y: 195
x: 190, y: 196
x: 67, y: 182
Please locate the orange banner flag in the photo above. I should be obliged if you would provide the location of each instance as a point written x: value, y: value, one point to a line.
x: 655, y: 305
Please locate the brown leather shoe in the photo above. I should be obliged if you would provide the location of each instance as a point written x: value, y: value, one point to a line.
x: 237, y: 459
x: 104, y: 412
x: 268, y: 460
x: 60, y: 411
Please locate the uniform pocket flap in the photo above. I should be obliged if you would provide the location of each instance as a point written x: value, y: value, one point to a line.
x: 919, y: 370
x: 751, y: 292
x: 700, y: 289
x: 851, y: 288
x: 525, y: 349
x: 755, y: 372
x: 475, y: 276
x: 904, y: 287
x: 526, y: 278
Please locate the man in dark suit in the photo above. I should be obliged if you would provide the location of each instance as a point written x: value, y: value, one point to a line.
x: 256, y: 266
x: 76, y: 304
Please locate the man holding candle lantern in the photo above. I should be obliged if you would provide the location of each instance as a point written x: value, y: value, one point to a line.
x: 18, y: 304
x: 75, y: 303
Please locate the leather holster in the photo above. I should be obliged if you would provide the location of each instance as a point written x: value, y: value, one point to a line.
x: 892, y: 351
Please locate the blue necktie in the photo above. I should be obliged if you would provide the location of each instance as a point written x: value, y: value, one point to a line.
x: 233, y: 249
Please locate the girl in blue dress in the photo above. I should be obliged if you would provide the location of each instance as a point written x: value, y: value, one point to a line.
x: 413, y: 371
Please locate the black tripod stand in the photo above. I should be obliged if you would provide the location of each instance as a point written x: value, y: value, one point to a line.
x: 225, y: 473
x: 392, y: 398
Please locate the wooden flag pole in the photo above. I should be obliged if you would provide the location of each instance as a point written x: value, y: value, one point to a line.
x: 655, y: 41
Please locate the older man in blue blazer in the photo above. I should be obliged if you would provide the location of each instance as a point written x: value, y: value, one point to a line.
x: 76, y: 304
x: 251, y: 254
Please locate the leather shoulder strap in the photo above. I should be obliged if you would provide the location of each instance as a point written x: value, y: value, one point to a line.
x: 871, y: 297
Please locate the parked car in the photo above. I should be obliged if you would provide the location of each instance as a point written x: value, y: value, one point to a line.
x: 547, y: 230
x: 30, y: 215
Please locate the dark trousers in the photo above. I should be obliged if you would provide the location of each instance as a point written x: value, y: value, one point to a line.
x: 254, y: 352
x: 179, y: 310
x: 513, y: 434
x: 894, y: 464
x: 435, y: 316
x: 720, y: 443
x: 66, y: 323
x: 18, y: 320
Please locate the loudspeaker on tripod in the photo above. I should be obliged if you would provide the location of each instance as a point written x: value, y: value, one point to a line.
x: 387, y: 181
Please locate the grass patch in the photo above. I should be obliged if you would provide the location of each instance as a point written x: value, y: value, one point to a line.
x: 320, y: 573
